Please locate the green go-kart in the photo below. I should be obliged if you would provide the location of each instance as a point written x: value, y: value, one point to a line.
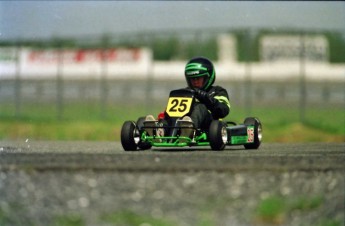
x: 144, y: 134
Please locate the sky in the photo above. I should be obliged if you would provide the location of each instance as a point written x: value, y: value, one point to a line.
x: 47, y: 19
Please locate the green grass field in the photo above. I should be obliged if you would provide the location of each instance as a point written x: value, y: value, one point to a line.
x: 84, y: 122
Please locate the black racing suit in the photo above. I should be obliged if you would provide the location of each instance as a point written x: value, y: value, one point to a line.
x: 212, y: 105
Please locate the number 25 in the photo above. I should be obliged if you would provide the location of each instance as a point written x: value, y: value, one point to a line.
x: 178, y: 106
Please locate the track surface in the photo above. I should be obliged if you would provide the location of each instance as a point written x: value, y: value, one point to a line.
x: 110, y: 156
x: 97, y: 183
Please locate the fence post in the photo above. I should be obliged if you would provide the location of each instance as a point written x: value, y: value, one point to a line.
x: 302, y: 99
x: 104, y: 75
x: 150, y: 74
x: 18, y: 83
x: 59, y: 83
x: 248, y: 88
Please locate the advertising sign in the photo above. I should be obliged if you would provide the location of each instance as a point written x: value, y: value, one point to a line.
x: 291, y: 47
x: 83, y: 56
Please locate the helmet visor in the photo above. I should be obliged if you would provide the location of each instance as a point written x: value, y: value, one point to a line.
x: 197, y: 81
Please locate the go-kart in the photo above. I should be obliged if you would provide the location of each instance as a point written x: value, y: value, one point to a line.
x: 144, y: 134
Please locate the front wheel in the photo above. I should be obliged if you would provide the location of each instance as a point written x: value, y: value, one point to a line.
x: 257, y: 132
x: 142, y: 145
x: 129, y: 136
x: 218, y: 135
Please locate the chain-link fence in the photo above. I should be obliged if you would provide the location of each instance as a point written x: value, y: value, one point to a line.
x: 253, y: 89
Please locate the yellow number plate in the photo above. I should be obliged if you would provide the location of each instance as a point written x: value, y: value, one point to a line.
x: 179, y: 106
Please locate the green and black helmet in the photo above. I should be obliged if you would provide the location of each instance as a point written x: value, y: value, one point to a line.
x: 200, y: 67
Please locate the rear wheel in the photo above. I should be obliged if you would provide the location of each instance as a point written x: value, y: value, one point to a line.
x: 218, y: 135
x: 257, y: 132
x: 129, y: 136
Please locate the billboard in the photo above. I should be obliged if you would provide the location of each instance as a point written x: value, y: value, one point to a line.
x: 274, y: 48
x: 83, y: 56
x: 74, y: 63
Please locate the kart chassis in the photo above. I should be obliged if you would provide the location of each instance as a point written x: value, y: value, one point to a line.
x: 134, y: 135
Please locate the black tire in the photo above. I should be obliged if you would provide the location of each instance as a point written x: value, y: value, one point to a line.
x: 128, y: 134
x: 218, y: 135
x: 142, y: 145
x: 257, y: 132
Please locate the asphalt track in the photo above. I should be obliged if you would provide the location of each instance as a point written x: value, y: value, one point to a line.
x: 41, y: 155
x: 42, y: 183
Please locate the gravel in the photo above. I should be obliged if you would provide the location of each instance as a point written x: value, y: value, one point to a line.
x: 200, y: 196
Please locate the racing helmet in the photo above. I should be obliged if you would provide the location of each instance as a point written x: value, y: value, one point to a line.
x: 200, y: 67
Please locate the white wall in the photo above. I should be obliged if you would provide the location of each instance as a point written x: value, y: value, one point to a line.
x: 279, y: 71
x: 141, y: 66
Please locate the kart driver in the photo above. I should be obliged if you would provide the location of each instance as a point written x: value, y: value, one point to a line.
x: 212, y: 101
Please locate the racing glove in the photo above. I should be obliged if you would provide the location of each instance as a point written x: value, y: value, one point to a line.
x: 204, y: 98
